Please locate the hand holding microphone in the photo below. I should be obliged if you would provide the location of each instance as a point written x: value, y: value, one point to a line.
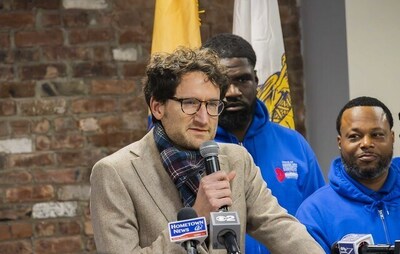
x: 224, y: 225
x: 214, y: 193
x: 214, y: 190
x: 218, y: 179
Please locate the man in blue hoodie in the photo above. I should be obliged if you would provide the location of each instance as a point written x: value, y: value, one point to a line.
x: 287, y: 162
x: 363, y: 195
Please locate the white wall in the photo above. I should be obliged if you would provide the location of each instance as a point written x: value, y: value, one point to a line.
x: 323, y: 26
x: 350, y: 48
x: 373, y: 46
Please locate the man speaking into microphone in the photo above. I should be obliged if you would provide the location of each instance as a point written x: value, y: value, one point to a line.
x: 139, y: 189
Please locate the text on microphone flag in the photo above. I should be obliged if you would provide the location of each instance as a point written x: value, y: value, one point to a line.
x: 187, y: 229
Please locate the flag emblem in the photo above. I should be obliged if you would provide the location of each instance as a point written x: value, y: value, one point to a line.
x: 275, y: 94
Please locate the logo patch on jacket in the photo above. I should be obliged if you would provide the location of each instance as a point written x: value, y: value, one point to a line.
x: 288, y: 171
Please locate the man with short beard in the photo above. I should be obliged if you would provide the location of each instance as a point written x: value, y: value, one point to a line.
x: 287, y: 162
x: 363, y: 195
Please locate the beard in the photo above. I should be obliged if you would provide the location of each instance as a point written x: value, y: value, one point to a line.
x: 367, y: 172
x: 237, y: 120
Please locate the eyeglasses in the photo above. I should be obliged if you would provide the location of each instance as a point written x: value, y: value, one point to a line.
x: 191, y: 106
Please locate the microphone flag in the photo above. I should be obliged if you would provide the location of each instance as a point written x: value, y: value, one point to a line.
x: 191, y: 229
x: 351, y: 243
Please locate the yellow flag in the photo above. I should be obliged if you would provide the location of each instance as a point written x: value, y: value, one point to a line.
x: 176, y: 23
x: 258, y: 21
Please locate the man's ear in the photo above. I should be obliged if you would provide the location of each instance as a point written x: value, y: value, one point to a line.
x: 157, y: 108
x: 339, y: 142
x: 256, y: 77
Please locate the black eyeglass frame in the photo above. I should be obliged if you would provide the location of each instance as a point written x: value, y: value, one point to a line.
x: 220, y: 106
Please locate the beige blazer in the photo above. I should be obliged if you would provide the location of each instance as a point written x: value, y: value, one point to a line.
x: 133, y: 199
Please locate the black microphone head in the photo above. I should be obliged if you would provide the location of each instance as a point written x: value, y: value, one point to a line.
x: 363, y: 247
x: 209, y: 148
x: 335, y: 248
x: 187, y: 213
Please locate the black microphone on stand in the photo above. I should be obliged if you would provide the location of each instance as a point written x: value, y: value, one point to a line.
x: 381, y: 248
x: 187, y: 213
x: 189, y: 230
x: 352, y: 243
x: 225, y: 225
x: 363, y: 244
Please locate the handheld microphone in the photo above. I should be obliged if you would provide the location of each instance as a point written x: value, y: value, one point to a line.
x: 224, y: 225
x: 209, y: 151
x: 189, y: 230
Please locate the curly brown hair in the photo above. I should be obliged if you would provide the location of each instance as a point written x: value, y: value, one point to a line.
x: 164, y: 72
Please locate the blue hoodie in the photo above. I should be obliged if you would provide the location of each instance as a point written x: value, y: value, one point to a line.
x: 287, y: 163
x: 396, y: 161
x: 346, y: 206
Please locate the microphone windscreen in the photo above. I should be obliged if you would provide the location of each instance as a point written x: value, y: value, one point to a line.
x: 187, y: 213
x: 209, y: 148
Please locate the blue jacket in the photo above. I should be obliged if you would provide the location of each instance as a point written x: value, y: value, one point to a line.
x: 396, y: 161
x: 345, y: 206
x: 287, y: 163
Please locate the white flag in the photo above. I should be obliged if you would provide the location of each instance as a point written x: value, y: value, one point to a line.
x: 258, y: 22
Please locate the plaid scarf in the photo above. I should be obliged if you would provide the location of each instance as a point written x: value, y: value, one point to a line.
x: 184, y: 167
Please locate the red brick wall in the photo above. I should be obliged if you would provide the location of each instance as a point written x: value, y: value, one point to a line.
x: 67, y: 99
